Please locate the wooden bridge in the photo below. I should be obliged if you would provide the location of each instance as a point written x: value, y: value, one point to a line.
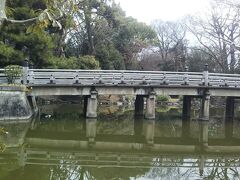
x: 142, y: 84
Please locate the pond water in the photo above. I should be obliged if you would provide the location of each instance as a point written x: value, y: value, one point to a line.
x: 60, y: 143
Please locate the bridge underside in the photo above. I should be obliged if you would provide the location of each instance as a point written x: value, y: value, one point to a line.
x: 149, y: 92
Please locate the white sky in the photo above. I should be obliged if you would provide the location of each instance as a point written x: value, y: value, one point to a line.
x: 167, y: 10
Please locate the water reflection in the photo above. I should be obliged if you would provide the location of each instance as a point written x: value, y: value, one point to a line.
x: 67, y: 146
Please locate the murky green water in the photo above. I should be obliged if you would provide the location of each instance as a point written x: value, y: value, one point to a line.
x: 61, y: 144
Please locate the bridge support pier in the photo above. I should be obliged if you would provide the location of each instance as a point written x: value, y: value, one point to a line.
x: 150, y: 108
x: 229, y: 117
x: 139, y: 106
x: 92, y: 105
x: 204, y: 114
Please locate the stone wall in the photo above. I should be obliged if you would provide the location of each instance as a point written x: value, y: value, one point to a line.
x: 14, y: 104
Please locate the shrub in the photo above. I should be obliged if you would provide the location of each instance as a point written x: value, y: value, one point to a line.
x: 12, y: 72
x: 162, y: 98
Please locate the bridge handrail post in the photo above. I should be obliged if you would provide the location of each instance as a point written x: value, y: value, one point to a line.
x: 186, y: 78
x: 205, y: 75
x: 25, y: 69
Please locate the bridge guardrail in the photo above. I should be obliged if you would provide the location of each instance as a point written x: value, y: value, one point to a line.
x: 87, y: 77
x: 131, y: 78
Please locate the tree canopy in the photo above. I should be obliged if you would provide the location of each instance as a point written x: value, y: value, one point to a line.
x: 97, y: 34
x: 79, y: 34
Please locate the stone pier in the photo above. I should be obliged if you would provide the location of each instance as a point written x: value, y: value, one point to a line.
x: 205, y: 105
x: 150, y: 106
x: 92, y: 105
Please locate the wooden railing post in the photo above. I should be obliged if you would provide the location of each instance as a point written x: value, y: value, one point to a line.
x: 25, y: 72
x: 205, y: 75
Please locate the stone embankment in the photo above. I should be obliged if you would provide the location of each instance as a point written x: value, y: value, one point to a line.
x: 14, y: 104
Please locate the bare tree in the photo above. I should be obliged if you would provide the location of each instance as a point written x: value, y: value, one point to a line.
x: 171, y: 43
x: 218, y: 32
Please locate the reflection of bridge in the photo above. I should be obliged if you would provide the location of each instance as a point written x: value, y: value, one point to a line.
x: 43, y: 156
x: 142, y: 84
x: 89, y: 149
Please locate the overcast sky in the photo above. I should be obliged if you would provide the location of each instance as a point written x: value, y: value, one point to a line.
x: 149, y: 10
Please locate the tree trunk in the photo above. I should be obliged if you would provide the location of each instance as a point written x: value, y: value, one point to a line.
x: 232, y: 51
x: 2, y: 11
x: 88, y: 21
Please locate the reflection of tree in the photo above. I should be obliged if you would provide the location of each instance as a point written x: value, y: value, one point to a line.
x: 223, y: 169
x: 116, y: 173
x: 70, y: 172
x: 215, y: 169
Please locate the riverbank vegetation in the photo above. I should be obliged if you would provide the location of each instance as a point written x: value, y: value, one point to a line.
x: 97, y: 34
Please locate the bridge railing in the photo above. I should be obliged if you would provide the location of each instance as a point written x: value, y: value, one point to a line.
x: 87, y: 77
x: 218, y: 79
x: 124, y: 77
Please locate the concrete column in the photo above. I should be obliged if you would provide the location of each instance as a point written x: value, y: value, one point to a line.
x: 148, y: 127
x: 92, y: 105
x: 203, y: 135
x: 204, y: 116
x: 150, y: 108
x: 139, y: 106
x: 229, y: 117
x: 91, y: 130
